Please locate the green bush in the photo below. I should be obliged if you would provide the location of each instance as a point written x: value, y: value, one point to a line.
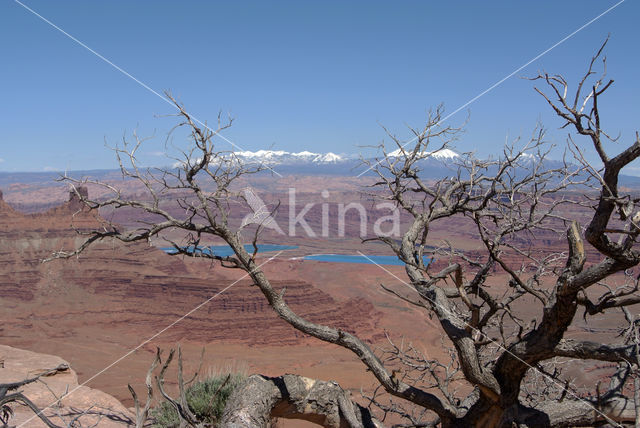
x: 203, y: 401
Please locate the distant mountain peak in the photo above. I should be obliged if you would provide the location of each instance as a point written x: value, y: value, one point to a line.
x: 329, y: 157
x: 442, y: 154
x: 304, y: 153
x: 261, y: 153
x: 284, y: 157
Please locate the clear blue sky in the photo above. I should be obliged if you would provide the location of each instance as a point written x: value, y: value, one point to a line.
x: 296, y: 75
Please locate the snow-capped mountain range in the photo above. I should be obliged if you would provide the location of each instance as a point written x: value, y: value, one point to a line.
x: 281, y: 157
x: 276, y: 157
x: 438, y: 162
x: 433, y: 164
x: 305, y: 162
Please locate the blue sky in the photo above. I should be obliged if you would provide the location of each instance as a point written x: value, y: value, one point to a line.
x: 318, y: 76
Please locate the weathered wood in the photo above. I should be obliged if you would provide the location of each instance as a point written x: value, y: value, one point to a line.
x: 261, y: 399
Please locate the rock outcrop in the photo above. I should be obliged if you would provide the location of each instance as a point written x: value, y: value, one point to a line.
x: 58, y: 395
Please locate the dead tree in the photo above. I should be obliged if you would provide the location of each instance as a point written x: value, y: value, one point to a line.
x: 11, y: 393
x: 505, y: 370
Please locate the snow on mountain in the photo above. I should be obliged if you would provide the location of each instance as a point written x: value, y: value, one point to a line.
x: 304, y: 154
x: 529, y: 157
x: 283, y: 157
x: 328, y: 158
x: 305, y: 158
x: 442, y: 154
x: 265, y: 154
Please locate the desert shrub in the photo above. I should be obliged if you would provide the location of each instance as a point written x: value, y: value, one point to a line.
x: 206, y: 399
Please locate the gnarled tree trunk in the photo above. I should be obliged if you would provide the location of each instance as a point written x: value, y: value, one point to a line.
x: 262, y: 398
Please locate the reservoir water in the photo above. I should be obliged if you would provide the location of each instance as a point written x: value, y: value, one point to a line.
x: 357, y: 258
x: 225, y: 250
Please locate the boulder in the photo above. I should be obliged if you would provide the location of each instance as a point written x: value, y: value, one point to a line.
x: 57, y: 394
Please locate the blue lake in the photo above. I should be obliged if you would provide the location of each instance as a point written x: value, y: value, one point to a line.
x: 225, y: 250
x: 357, y: 258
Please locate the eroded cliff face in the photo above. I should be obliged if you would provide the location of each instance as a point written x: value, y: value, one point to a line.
x: 134, y: 289
x: 25, y: 240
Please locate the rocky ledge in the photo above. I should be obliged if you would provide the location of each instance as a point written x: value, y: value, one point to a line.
x: 57, y: 394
